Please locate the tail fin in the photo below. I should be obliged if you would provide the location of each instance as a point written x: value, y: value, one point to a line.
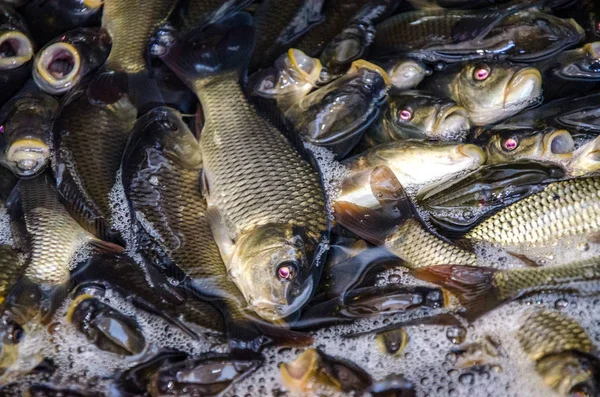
x: 222, y: 47
x: 473, y: 286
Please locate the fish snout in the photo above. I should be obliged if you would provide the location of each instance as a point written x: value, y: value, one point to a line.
x: 453, y: 120
x: 559, y: 142
x: 525, y: 85
x: 57, y: 68
x: 15, y: 49
x: 28, y: 156
x: 472, y: 151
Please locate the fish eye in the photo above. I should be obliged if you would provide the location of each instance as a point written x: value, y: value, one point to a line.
x: 405, y: 114
x: 511, y: 144
x: 287, y: 270
x: 481, y: 72
x: 580, y: 390
x: 17, y: 334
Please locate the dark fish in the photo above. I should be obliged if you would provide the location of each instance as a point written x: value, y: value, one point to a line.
x: 314, y: 371
x: 509, y: 33
x: 279, y: 24
x: 458, y: 205
x: 16, y: 52
x: 195, y: 13
x: 27, y: 131
x: 562, y: 352
x: 335, y: 116
x: 105, y: 326
x: 420, y: 115
x: 481, y: 289
x: 48, y: 19
x: 270, y: 244
x: 65, y: 61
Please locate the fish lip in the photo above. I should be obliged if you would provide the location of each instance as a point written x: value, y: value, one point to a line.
x: 277, y: 314
x: 45, y: 79
x: 24, y: 49
x: 310, y: 70
x: 578, y: 28
x: 472, y: 151
x: 297, y: 372
x: 94, y: 4
x: 446, y: 112
x: 548, y: 139
x: 516, y: 81
x: 28, y: 156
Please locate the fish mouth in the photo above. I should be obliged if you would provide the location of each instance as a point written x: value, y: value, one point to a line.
x: 277, y: 313
x: 453, y: 119
x: 297, y: 372
x: 559, y: 142
x: 308, y: 68
x: 15, y: 50
x: 580, y: 31
x: 472, y: 151
x: 362, y: 64
x: 94, y: 4
x: 29, y: 156
x: 593, y: 50
x: 58, y: 68
x: 407, y: 74
x: 524, y: 86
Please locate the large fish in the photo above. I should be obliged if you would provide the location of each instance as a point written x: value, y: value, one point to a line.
x: 562, y: 352
x: 481, y: 289
x: 270, y: 242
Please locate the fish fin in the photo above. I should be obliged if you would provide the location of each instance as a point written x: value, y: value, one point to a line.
x: 593, y: 238
x: 108, y: 87
x: 525, y: 259
x: 102, y: 246
x: 125, y: 89
x: 372, y: 225
x: 221, y: 236
x: 222, y: 47
x: 473, y: 286
x: 388, y: 190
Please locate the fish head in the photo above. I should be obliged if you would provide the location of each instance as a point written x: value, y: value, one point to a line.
x: 26, y: 134
x: 407, y: 74
x: 16, y: 49
x: 294, y: 75
x: 571, y: 373
x: 580, y: 64
x: 586, y: 159
x: 63, y: 62
x: 301, y: 373
x: 549, y: 145
x: 273, y: 270
x: 493, y: 92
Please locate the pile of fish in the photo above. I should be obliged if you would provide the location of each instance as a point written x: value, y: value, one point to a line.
x: 238, y: 197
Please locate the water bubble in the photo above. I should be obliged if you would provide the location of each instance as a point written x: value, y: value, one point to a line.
x: 456, y: 335
x: 561, y: 304
x: 467, y: 379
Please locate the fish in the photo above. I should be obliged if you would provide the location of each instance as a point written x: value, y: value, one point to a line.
x: 279, y: 25
x: 456, y: 206
x: 16, y: 52
x: 105, y: 326
x: 271, y: 247
x: 548, y: 145
x: 11, y: 263
x: 51, y: 238
x: 389, y: 219
x: 510, y: 33
x: 544, y: 218
x: 63, y: 62
x: 420, y: 115
x: 482, y: 289
x: 195, y: 13
x: 405, y: 74
x: 392, y: 342
x: 585, y: 160
x: 562, y: 352
x: 335, y: 116
x: 27, y: 131
x: 315, y: 372
x: 489, y: 92
x: 292, y: 77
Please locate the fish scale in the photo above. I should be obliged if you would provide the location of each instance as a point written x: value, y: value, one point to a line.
x: 563, y: 209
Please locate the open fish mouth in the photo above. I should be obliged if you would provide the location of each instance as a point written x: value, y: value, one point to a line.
x: 15, y: 50
x: 28, y: 157
x: 58, y: 68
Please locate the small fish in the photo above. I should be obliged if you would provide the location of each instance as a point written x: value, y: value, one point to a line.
x: 292, y: 77
x: 489, y: 92
x: 511, y: 33
x: 420, y: 115
x: 406, y: 74
x: 65, y: 61
x: 335, y: 116
x: 269, y: 243
x: 16, y: 52
x: 27, y: 124
x: 550, y: 145
x: 481, y: 289
x: 586, y: 159
x: 562, y: 352
x: 315, y: 372
x: 392, y: 342
x: 105, y: 327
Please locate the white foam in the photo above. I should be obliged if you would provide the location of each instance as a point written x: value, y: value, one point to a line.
x: 5, y: 233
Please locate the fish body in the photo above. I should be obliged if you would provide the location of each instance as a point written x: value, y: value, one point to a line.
x: 489, y: 92
x: 195, y: 13
x: 63, y: 62
x: 27, y: 121
x: 267, y: 245
x: 562, y: 351
x: 11, y: 263
x: 420, y: 115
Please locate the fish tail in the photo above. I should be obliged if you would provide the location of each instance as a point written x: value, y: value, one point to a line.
x: 473, y: 286
x: 220, y: 48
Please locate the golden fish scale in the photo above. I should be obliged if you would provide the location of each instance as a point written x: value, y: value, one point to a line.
x: 54, y: 236
x: 546, y: 332
x: 563, y: 209
x: 11, y: 264
x: 256, y: 177
x: 419, y: 248
x: 130, y: 24
x: 513, y: 282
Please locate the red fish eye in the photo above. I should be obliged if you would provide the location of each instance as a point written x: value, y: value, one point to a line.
x: 511, y: 144
x: 284, y: 272
x: 405, y: 114
x: 481, y: 73
x: 1, y: 129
